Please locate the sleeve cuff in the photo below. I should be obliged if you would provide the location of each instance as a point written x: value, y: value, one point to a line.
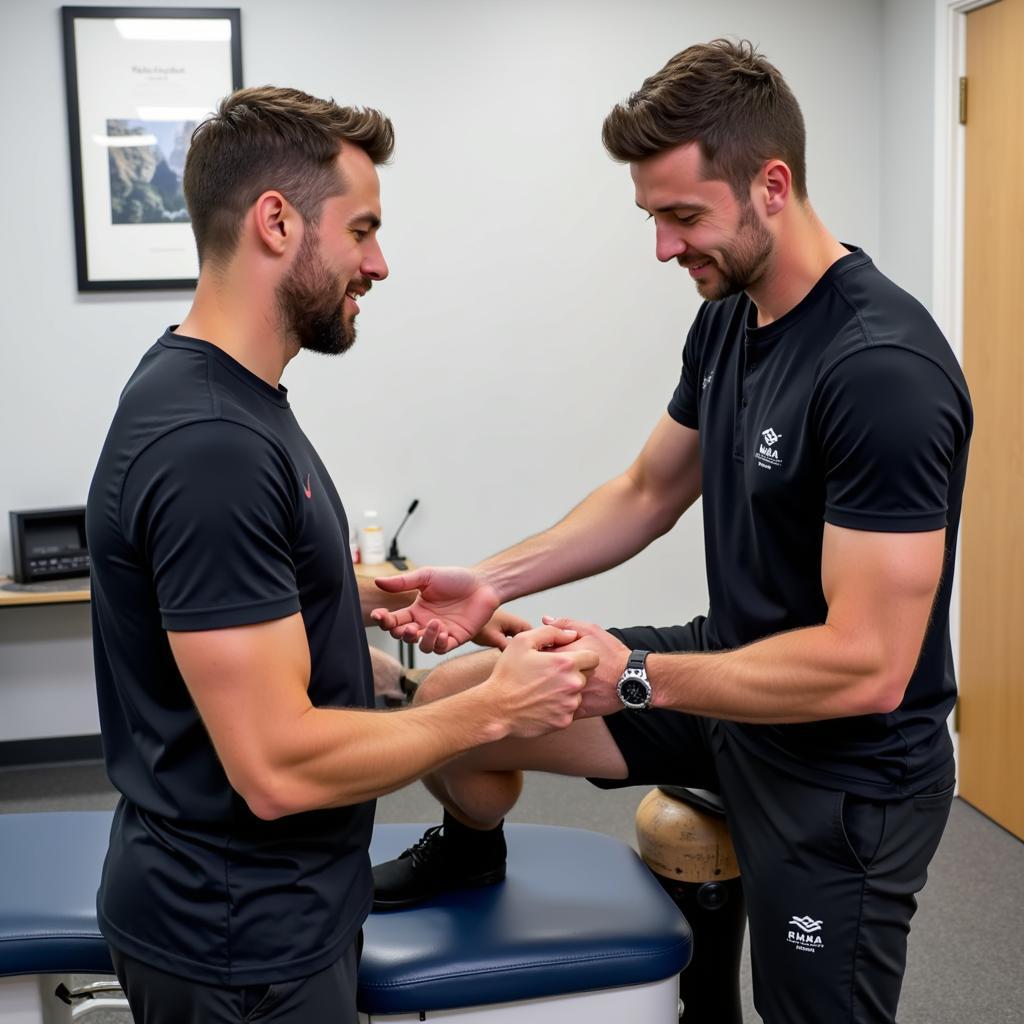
x: 195, y: 619
x: 681, y: 416
x: 886, y: 522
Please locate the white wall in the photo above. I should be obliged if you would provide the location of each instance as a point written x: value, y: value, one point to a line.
x: 527, y: 339
x: 908, y: 129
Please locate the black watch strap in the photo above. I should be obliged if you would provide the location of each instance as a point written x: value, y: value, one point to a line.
x: 638, y: 660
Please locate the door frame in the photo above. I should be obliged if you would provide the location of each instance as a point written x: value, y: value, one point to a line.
x: 948, y: 199
x: 950, y: 147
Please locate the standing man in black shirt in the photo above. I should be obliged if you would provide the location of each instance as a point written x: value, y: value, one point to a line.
x: 232, y: 667
x: 823, y: 418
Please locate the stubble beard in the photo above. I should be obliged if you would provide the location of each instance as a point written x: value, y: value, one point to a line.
x: 743, y: 262
x: 310, y: 310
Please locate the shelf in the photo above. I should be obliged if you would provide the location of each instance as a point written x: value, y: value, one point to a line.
x: 51, y: 592
x: 13, y: 595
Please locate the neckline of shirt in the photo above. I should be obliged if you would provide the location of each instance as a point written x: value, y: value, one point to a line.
x: 278, y: 395
x: 762, y: 335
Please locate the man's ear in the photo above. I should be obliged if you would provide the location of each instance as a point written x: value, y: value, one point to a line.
x: 776, y: 183
x: 276, y: 222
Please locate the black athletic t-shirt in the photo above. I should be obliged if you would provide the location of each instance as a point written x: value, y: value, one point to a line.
x: 851, y: 409
x: 210, y: 508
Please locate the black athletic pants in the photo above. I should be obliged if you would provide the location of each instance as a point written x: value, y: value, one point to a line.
x: 155, y: 997
x: 829, y: 878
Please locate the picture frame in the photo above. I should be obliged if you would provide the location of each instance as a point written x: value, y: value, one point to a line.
x: 151, y: 74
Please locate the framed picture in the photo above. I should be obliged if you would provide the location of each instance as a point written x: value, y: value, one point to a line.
x: 139, y: 80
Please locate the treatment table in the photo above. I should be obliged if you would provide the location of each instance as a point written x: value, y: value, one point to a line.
x: 580, y: 931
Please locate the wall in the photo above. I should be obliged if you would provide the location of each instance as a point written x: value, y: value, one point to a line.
x: 908, y: 130
x: 526, y: 340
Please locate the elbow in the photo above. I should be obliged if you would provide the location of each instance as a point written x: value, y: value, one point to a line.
x: 263, y: 802
x: 883, y: 694
x: 268, y: 795
x: 265, y: 807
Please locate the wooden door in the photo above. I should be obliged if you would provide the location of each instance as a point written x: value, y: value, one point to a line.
x: 992, y: 595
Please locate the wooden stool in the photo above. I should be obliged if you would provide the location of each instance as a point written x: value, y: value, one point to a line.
x: 683, y: 838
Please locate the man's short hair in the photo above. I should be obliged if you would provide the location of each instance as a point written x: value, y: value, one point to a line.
x: 270, y: 138
x: 727, y: 98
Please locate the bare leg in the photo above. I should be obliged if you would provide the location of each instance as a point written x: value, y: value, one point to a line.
x: 387, y: 674
x: 479, y: 788
x: 390, y: 679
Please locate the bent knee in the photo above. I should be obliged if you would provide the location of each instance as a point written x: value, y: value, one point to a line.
x: 455, y: 675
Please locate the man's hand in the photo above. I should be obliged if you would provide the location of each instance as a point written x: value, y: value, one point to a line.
x: 599, y: 697
x: 502, y: 627
x: 538, y: 681
x: 453, y: 606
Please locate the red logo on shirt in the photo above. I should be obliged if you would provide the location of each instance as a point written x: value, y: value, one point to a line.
x: 307, y: 488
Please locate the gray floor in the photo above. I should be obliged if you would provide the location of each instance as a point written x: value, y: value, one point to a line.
x: 966, y: 961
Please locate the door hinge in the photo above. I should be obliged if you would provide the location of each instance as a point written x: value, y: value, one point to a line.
x: 963, y: 99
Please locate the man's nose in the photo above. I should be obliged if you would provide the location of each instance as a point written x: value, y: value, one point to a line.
x: 374, y: 266
x: 668, y: 244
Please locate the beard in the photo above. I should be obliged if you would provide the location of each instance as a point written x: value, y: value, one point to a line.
x: 311, y: 303
x: 743, y: 262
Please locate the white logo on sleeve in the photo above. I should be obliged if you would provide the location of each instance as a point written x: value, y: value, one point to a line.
x: 767, y: 451
x: 804, y: 935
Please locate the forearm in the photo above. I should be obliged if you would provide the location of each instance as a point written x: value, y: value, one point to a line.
x: 800, y: 676
x: 607, y: 528
x: 371, y: 596
x: 331, y: 757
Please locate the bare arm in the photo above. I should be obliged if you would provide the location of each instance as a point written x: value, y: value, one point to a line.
x: 283, y: 755
x: 371, y: 596
x: 879, y: 588
x: 611, y: 524
x: 608, y: 527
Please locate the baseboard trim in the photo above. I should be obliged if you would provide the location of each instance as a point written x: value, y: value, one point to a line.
x: 58, y: 750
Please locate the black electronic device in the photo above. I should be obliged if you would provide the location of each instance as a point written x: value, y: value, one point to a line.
x: 397, y: 560
x: 49, y: 544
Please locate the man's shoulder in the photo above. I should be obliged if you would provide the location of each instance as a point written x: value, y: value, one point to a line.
x: 169, y: 379
x: 179, y: 383
x: 176, y: 409
x: 884, y: 316
x: 881, y: 312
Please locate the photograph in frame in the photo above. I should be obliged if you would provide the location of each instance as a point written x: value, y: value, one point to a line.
x: 139, y: 80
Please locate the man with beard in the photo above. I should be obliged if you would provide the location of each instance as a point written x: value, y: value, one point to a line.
x: 823, y: 418
x: 232, y: 667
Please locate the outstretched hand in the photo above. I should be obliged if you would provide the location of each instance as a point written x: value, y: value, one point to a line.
x: 453, y: 606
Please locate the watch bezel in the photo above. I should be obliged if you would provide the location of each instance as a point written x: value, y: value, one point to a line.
x: 639, y: 673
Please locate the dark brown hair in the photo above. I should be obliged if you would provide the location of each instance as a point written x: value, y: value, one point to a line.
x: 270, y: 138
x: 724, y: 96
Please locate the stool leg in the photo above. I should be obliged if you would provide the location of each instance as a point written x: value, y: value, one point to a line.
x: 691, y: 854
x: 710, y: 986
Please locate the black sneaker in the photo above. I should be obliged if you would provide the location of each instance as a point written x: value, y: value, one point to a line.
x: 437, y: 863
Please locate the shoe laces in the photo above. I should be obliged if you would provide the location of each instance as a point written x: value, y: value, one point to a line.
x: 423, y: 849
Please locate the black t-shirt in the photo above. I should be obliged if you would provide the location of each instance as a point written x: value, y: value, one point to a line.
x: 210, y: 508
x: 852, y: 410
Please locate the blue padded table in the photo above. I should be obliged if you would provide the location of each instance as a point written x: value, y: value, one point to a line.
x: 578, y: 913
x: 580, y: 930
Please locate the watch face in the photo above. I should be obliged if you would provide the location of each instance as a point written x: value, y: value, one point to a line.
x: 633, y: 691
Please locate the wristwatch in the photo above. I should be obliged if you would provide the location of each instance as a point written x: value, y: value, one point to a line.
x: 634, y: 688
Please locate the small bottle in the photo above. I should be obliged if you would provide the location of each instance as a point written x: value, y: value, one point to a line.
x: 371, y: 540
x: 353, y: 545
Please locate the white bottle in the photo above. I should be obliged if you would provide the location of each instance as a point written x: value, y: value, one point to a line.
x: 371, y: 540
